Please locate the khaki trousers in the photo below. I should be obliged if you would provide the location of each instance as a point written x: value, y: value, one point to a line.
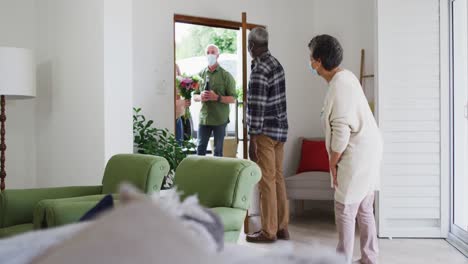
x: 273, y: 199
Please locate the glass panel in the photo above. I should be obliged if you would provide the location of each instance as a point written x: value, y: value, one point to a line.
x: 460, y: 122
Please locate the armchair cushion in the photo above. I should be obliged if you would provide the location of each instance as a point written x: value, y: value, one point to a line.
x: 16, y: 229
x: 46, y: 210
x: 314, y: 185
x: 66, y: 213
x: 231, y: 236
x: 146, y: 172
x: 17, y: 206
x: 230, y: 217
x: 105, y: 204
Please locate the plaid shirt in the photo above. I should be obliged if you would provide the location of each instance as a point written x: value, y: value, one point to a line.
x: 266, y: 99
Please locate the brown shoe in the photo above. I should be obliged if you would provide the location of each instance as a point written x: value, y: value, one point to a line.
x: 283, y: 234
x: 260, y: 237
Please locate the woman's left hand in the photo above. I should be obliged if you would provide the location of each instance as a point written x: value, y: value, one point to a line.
x: 334, y: 172
x: 334, y: 159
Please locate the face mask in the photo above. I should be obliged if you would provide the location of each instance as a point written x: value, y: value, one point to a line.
x: 211, y: 59
x: 314, y: 71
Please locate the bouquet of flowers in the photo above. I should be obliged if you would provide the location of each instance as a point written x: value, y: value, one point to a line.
x: 186, y: 85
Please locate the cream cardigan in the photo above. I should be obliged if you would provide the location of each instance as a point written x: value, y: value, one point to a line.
x: 351, y: 129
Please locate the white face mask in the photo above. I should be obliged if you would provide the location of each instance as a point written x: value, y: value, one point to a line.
x: 211, y: 59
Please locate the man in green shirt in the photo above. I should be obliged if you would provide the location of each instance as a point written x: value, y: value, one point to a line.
x: 214, y: 114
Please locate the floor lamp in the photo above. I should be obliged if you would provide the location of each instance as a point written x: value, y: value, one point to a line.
x: 17, y: 81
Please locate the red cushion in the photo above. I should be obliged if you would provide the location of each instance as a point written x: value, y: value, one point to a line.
x: 314, y: 157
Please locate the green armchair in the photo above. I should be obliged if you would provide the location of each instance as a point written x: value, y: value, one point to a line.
x: 27, y: 209
x: 222, y: 184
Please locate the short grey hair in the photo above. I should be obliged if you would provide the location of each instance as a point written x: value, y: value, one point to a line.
x: 211, y: 45
x: 259, y: 36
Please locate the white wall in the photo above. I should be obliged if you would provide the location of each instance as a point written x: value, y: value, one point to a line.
x: 17, y: 27
x: 118, y: 76
x: 291, y: 26
x: 70, y: 103
x: 82, y: 113
x: 353, y: 24
x: 85, y: 93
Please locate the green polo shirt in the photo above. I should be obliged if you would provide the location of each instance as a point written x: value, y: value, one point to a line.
x: 222, y: 83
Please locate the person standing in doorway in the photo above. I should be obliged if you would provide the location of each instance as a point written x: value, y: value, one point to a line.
x: 354, y: 144
x: 268, y: 128
x: 217, y: 92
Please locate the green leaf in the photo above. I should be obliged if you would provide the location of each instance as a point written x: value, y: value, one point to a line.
x: 157, y: 141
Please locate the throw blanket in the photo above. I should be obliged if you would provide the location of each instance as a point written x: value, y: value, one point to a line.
x: 21, y: 249
x: 143, y: 230
x: 198, y: 222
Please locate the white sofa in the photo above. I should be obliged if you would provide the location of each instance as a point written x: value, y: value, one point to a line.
x: 313, y: 185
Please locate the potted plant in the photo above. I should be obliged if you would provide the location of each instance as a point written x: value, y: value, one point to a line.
x: 159, y: 142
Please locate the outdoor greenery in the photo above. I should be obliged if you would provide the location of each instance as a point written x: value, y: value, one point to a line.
x: 195, y: 42
x: 239, y: 96
x: 159, y: 142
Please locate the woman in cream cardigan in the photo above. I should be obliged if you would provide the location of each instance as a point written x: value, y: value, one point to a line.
x: 354, y: 145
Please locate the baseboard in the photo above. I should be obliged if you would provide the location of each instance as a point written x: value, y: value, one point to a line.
x: 458, y: 244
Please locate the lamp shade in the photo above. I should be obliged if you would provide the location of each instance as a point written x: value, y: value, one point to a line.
x: 17, y: 73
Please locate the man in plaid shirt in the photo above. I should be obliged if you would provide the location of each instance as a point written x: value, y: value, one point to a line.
x: 268, y: 128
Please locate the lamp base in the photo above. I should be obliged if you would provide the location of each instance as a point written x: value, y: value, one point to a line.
x: 2, y: 143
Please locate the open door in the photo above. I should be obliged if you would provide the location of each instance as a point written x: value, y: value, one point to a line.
x: 237, y: 129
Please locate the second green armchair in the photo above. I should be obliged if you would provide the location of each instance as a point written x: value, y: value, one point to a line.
x: 223, y: 184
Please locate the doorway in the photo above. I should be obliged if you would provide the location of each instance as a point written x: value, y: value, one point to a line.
x: 191, y: 42
x: 191, y: 37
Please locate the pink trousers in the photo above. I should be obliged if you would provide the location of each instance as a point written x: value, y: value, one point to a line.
x: 345, y: 217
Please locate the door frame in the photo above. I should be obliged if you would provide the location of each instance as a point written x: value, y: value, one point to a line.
x: 212, y: 22
x: 227, y: 24
x: 456, y: 236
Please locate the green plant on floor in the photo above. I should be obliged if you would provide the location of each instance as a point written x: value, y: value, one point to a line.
x: 150, y: 140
